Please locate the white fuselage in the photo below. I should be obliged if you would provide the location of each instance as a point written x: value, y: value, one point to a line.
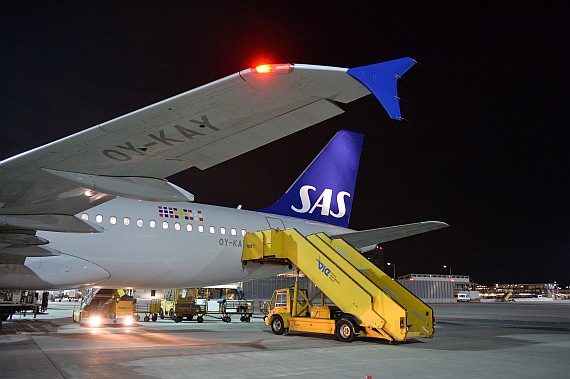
x: 154, y: 245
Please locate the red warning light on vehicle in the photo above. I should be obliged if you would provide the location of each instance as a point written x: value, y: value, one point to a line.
x: 273, y: 68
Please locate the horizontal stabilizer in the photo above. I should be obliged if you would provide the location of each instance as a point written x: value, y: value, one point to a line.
x: 371, y: 237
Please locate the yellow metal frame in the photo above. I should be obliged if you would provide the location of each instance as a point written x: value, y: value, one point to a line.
x: 383, y: 308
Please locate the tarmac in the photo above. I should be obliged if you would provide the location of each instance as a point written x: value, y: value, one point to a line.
x: 472, y: 340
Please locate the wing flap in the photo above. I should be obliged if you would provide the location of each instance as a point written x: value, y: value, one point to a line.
x: 48, y: 222
x: 135, y: 187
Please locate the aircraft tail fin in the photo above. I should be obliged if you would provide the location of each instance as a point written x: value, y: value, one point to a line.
x: 325, y: 190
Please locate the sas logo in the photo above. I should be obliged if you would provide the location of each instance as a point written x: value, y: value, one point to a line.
x: 325, y: 270
x: 323, y: 202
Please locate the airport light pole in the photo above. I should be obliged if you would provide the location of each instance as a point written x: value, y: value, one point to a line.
x: 445, y: 266
x: 393, y: 264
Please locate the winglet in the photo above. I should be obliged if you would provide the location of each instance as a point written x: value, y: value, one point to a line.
x: 381, y: 79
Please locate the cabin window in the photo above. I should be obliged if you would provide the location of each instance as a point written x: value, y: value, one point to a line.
x: 85, y: 216
x: 189, y: 227
x: 165, y: 225
x: 99, y: 218
x: 140, y: 223
x: 212, y: 229
x: 177, y: 226
x: 152, y: 224
x: 243, y: 232
x: 234, y: 231
x: 126, y: 221
x: 223, y: 230
x: 113, y: 220
x: 200, y: 228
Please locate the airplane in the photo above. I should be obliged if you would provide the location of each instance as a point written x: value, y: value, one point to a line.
x: 95, y: 208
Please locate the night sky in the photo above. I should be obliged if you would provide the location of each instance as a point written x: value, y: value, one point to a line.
x: 485, y: 147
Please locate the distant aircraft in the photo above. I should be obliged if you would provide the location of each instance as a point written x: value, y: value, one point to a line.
x: 95, y: 209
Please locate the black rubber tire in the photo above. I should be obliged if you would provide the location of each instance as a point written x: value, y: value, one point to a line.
x: 247, y: 319
x: 171, y: 313
x: 200, y: 319
x: 277, y: 325
x: 161, y: 314
x: 178, y: 319
x: 242, y: 318
x: 137, y: 318
x: 154, y: 317
x: 345, y: 330
x: 146, y: 319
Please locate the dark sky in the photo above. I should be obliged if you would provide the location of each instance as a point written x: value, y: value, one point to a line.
x: 485, y: 148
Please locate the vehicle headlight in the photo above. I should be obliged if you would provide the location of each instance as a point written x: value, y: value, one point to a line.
x: 95, y: 321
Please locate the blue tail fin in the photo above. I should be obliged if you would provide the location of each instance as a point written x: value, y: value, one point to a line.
x: 325, y: 190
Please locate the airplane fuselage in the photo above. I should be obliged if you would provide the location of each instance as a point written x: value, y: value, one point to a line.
x: 153, y: 245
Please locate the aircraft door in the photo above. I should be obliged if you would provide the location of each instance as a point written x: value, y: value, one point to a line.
x: 275, y: 223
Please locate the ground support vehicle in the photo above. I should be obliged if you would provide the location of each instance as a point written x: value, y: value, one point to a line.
x: 366, y: 301
x: 105, y: 307
x: 150, y: 310
x: 180, y: 303
x: 462, y: 297
x: 225, y: 301
x: 506, y: 297
x: 16, y: 301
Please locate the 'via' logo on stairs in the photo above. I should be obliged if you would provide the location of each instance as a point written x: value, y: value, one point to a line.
x: 323, y: 268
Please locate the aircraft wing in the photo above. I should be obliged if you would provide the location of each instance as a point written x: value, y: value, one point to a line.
x: 372, y: 237
x: 131, y: 155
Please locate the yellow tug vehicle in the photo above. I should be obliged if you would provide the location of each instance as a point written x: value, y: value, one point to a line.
x: 106, y: 307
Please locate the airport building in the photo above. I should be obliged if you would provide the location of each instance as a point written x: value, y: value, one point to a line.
x: 433, y: 288
x: 521, y: 291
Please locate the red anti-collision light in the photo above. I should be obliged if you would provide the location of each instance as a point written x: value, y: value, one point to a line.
x: 273, y: 68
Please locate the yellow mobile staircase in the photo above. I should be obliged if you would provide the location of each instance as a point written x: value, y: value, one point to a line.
x: 383, y: 307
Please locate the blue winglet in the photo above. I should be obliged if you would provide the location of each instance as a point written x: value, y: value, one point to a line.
x: 381, y: 79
